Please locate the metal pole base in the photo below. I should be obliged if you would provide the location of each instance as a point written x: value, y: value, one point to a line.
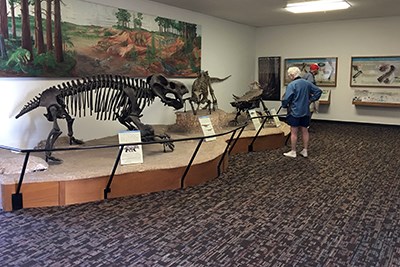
x: 16, y: 200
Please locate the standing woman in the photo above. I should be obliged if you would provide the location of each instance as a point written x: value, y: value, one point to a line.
x: 310, y: 76
x: 299, y: 94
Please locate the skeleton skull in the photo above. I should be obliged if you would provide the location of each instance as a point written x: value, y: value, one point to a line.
x: 170, y: 92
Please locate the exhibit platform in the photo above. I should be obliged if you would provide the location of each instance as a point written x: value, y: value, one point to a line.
x: 84, y: 174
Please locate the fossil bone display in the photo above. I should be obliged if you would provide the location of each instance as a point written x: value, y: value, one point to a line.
x: 201, y: 88
x: 250, y: 100
x: 111, y: 98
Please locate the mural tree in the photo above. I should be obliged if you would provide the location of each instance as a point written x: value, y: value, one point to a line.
x: 123, y: 18
x: 164, y: 24
x: 137, y: 21
x: 3, y: 29
x: 26, y: 41
x: 3, y: 19
x: 12, y: 3
x: 58, y: 45
x: 189, y: 35
x: 49, y: 32
x: 39, y: 40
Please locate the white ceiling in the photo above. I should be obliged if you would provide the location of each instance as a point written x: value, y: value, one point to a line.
x: 261, y: 13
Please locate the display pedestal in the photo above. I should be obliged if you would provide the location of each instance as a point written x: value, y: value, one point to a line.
x: 186, y: 122
x: 83, y: 175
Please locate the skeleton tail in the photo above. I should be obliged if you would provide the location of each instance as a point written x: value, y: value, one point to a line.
x: 31, y: 105
x: 217, y: 80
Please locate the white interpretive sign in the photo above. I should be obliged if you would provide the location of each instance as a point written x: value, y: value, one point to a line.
x: 276, y: 119
x: 207, y: 127
x: 256, y: 121
x: 131, y: 153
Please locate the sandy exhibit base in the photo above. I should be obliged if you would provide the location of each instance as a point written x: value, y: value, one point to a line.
x: 84, y: 174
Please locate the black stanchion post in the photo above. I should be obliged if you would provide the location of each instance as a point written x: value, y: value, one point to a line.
x: 190, y: 162
x: 108, y: 187
x: 223, y: 154
x: 237, y: 138
x: 250, y: 147
x: 16, y: 199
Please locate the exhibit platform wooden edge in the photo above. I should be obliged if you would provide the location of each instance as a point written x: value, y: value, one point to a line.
x: 82, y: 190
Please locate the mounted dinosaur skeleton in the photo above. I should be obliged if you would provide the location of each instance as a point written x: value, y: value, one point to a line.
x: 111, y: 98
x: 200, y: 89
x: 250, y: 100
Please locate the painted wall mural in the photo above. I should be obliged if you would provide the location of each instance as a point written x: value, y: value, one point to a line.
x: 73, y: 38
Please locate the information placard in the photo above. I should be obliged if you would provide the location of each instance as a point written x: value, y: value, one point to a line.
x: 256, y: 121
x: 131, y: 153
x: 207, y: 127
x: 276, y: 119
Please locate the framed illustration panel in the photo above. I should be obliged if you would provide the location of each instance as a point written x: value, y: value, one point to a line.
x: 375, y: 71
x: 269, y: 77
x: 327, y: 74
x: 94, y: 39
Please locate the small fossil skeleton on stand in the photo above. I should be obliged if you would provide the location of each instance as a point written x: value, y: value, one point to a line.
x: 201, y: 88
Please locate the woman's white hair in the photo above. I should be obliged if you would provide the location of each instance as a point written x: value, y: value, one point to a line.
x: 293, y: 72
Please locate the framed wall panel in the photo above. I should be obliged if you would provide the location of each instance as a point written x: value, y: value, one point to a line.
x: 327, y: 75
x: 375, y: 71
x: 269, y: 77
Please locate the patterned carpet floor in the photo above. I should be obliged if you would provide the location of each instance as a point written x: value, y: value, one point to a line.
x: 339, y: 207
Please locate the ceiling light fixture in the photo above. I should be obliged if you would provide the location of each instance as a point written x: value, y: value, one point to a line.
x: 317, y: 6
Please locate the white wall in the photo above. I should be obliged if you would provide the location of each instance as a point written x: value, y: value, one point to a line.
x: 343, y: 39
x: 227, y: 49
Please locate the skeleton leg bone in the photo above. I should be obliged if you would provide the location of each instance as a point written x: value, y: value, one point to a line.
x: 52, y: 137
x: 214, y: 99
x: 72, y: 139
x: 193, y: 109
